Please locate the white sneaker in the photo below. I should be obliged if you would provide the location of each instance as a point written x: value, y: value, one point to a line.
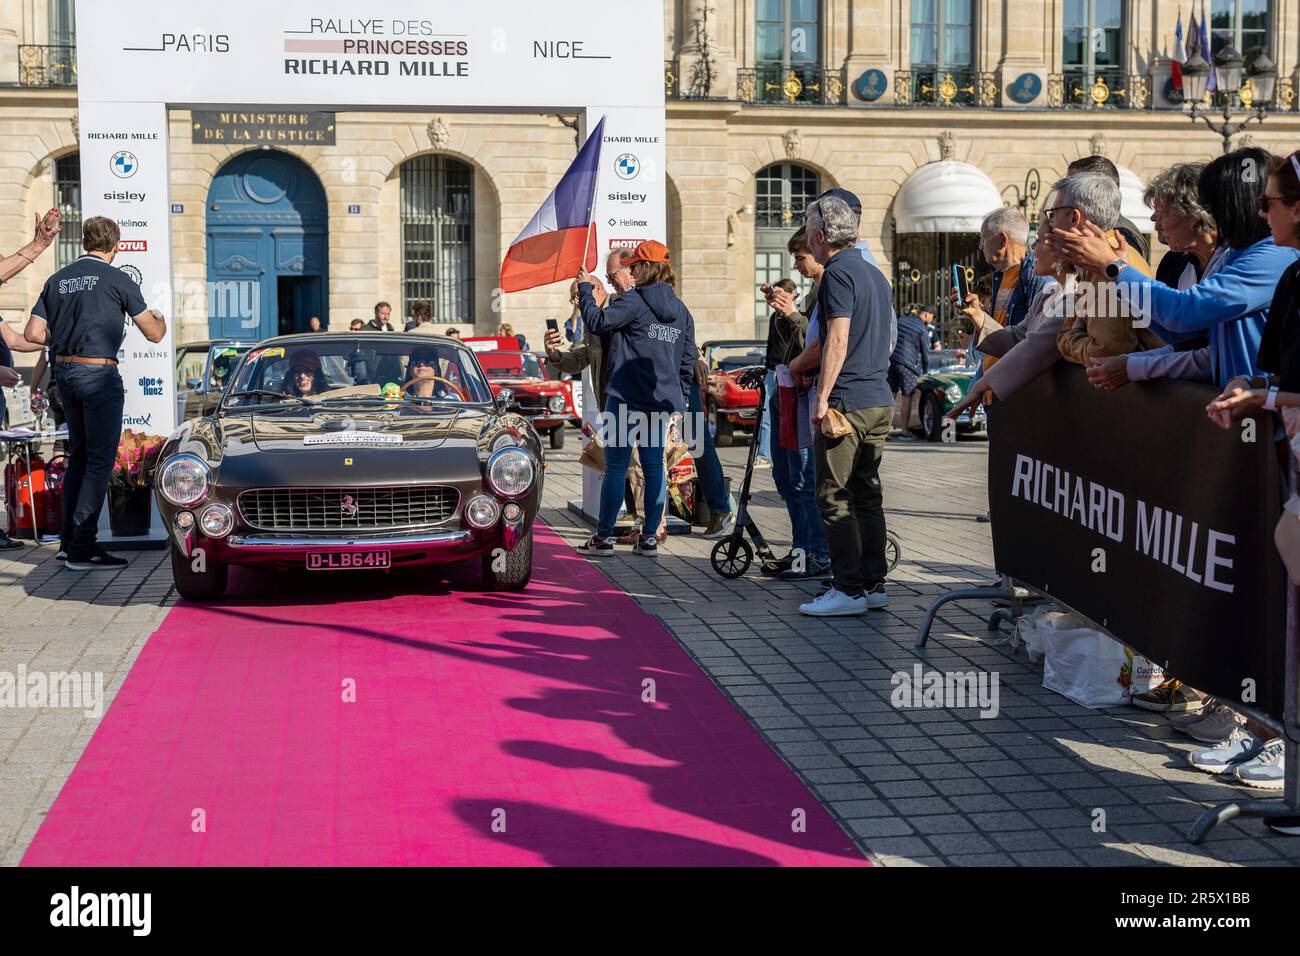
x: 877, y: 598
x: 1266, y: 769
x: 834, y: 603
x: 1224, y: 757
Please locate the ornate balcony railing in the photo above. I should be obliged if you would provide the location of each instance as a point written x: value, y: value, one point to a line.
x: 1099, y: 89
x: 47, y: 65
x: 795, y: 86
x: 925, y: 87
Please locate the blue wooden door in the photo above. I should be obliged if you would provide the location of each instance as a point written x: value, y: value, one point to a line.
x: 267, y: 226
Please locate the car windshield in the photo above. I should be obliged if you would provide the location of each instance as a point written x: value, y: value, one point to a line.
x: 728, y: 358
x: 510, y: 365
x: 354, y: 369
x: 225, y: 359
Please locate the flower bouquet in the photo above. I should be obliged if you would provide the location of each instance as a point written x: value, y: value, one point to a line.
x: 131, y: 483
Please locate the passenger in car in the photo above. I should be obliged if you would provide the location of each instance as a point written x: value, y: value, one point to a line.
x: 305, y: 378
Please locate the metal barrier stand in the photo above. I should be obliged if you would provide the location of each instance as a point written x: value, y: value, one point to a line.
x: 1005, y: 591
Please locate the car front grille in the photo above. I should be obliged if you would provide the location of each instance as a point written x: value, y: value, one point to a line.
x: 531, y: 404
x: 348, y: 509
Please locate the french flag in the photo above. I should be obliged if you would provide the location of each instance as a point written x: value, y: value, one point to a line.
x: 562, y: 236
x: 1179, y: 53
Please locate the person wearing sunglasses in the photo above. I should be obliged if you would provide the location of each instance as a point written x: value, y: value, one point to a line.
x: 1232, y: 300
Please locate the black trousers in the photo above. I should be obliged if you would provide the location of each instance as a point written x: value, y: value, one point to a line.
x: 92, y: 401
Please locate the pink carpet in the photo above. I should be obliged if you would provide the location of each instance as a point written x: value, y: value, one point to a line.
x: 487, y: 730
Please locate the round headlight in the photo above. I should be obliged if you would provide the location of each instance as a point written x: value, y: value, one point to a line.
x: 217, y: 520
x: 185, y: 520
x: 556, y: 403
x: 510, y: 472
x: 482, y: 511
x: 184, y: 480
x: 512, y: 512
x: 954, y: 393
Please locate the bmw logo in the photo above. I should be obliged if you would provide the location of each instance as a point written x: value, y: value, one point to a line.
x: 136, y: 276
x: 627, y: 166
x: 124, y: 164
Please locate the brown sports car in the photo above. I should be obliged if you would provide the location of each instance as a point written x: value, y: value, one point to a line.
x: 350, y: 452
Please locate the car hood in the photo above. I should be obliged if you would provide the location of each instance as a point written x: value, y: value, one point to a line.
x: 329, y: 431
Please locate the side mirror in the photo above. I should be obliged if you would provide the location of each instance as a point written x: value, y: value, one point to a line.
x: 192, y: 383
x: 506, y: 400
x: 566, y: 377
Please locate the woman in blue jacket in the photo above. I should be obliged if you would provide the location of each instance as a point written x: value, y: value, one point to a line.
x: 652, y: 353
x: 1232, y: 299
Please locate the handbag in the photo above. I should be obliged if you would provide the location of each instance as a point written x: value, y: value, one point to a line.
x: 835, y: 425
x: 787, y: 393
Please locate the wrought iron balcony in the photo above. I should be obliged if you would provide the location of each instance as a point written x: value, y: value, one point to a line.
x: 47, y: 65
x: 934, y: 87
x: 794, y: 86
x: 1099, y: 89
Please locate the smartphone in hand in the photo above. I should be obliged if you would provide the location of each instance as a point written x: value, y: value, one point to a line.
x: 959, y: 284
x: 767, y: 291
x: 552, y: 325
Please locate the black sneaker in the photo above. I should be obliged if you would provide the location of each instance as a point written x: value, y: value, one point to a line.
x: 597, y: 547
x: 773, y: 568
x: 9, y: 544
x: 813, y: 568
x: 99, y: 560
x: 1287, y: 826
x: 647, y: 546
x: 62, y: 553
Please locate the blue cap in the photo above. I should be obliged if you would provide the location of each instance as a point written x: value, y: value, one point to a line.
x: 837, y: 193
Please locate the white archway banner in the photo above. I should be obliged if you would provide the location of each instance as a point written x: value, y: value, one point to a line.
x: 137, y: 58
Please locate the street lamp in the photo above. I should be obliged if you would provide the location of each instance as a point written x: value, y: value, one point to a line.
x: 1262, y: 84
x: 1027, y: 198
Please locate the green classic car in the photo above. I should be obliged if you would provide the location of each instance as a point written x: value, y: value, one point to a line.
x: 941, y: 389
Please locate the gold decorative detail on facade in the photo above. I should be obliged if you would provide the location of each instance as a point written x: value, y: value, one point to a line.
x: 1100, y: 92
x: 670, y: 81
x: 948, y: 89
x: 746, y: 89
x: 1246, y: 94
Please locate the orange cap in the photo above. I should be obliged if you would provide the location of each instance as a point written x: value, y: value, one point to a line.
x: 648, y: 251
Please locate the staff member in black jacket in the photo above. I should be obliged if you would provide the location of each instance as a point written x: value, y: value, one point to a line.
x: 79, y: 314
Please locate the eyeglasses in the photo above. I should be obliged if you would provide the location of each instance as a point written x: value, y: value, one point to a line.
x: 1266, y: 200
x: 1048, y: 213
x: 428, y: 363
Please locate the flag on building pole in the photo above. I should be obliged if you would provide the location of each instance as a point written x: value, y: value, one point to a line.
x: 1179, y: 54
x: 562, y: 236
x: 1207, y: 51
x: 1193, y: 37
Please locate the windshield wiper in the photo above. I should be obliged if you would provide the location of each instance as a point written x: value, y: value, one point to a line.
x: 280, y: 396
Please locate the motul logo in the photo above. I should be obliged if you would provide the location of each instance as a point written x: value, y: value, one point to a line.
x: 625, y: 243
x: 133, y: 245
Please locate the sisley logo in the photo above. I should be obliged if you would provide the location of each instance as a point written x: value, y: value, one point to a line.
x: 124, y: 197
x: 626, y: 197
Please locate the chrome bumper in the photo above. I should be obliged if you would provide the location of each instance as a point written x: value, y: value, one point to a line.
x: 271, y: 543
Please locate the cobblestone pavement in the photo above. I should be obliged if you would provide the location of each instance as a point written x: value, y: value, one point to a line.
x: 928, y: 787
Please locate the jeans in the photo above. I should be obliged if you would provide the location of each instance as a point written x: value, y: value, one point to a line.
x: 92, y: 400
x: 795, y: 474
x: 618, y: 452
x: 707, y: 466
x: 765, y: 428
x: 851, y: 501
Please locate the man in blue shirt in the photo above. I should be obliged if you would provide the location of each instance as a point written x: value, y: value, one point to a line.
x: 852, y: 353
x: 80, y: 316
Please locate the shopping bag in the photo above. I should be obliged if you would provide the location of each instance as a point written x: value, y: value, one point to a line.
x: 593, y: 456
x: 1083, y: 663
x: 787, y: 393
x: 835, y: 425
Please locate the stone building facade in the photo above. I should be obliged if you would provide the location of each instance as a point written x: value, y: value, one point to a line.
x: 768, y: 102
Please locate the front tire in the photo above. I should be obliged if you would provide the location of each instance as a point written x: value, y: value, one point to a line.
x: 557, y: 437
x: 723, y: 430
x: 516, y: 567
x: 932, y: 417
x: 194, y: 585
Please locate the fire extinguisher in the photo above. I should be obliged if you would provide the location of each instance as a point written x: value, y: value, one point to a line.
x: 26, y: 490
x: 54, y: 472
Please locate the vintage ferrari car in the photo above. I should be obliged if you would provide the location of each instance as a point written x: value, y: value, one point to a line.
x: 339, y: 453
x: 728, y: 406
x: 544, y: 401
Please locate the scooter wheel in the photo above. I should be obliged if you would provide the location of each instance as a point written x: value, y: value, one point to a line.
x: 893, y: 551
x: 731, y: 557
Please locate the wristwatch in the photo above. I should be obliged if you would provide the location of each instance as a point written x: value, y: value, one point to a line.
x: 1270, y: 401
x: 1115, y: 268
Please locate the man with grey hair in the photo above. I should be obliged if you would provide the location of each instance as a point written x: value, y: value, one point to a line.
x: 1102, y: 324
x: 853, y: 345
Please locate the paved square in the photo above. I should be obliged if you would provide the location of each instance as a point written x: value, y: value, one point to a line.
x: 927, y: 787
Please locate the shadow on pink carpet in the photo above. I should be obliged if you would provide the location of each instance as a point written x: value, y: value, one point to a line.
x: 487, y: 729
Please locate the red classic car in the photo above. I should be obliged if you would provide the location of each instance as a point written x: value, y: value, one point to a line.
x: 547, y: 403
x: 727, y: 405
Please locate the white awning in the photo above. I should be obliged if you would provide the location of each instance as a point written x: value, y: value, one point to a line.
x: 1131, y: 205
x: 945, y: 196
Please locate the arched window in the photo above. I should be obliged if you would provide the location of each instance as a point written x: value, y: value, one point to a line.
x: 782, y: 193
x: 437, y: 223
x: 1243, y: 23
x: 67, y: 200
